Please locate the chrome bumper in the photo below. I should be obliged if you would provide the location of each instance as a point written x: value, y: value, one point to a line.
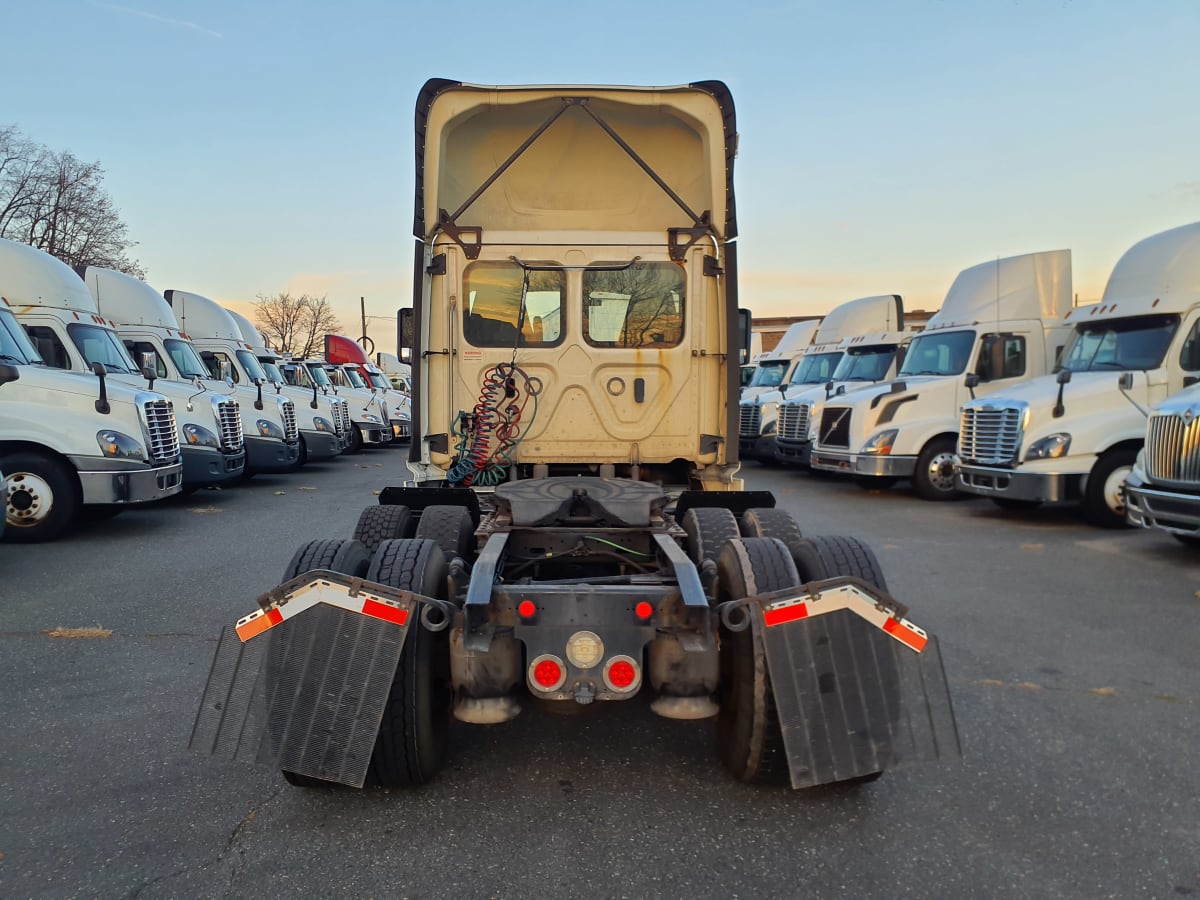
x: 134, y: 485
x: 862, y: 463
x: 1171, y: 511
x: 1013, y: 484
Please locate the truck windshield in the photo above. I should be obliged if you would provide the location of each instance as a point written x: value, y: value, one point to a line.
x: 101, y: 345
x: 939, y: 353
x: 865, y: 363
x: 15, y: 346
x: 186, y: 359
x: 317, y: 374
x: 250, y: 363
x: 816, y: 368
x: 272, y: 371
x: 296, y: 375
x: 1136, y: 342
x: 379, y: 381
x: 769, y: 373
x: 354, y: 378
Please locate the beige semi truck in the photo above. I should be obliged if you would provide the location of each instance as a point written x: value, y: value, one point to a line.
x: 575, y: 531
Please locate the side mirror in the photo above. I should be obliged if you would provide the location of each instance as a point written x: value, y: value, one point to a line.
x: 149, y: 360
x: 406, y: 334
x: 149, y: 374
x: 744, y: 328
x: 972, y: 382
x: 1064, y: 376
x: 102, y: 406
x: 8, y: 373
x: 226, y: 370
x: 1125, y: 381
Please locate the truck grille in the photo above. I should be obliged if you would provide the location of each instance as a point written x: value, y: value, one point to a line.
x: 1173, y: 449
x: 229, y: 414
x: 990, y: 434
x: 287, y: 411
x: 834, y: 430
x: 793, y: 421
x: 162, y: 430
x: 341, y: 417
x: 750, y: 420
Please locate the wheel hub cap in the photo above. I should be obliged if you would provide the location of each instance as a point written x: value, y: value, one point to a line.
x: 29, y: 500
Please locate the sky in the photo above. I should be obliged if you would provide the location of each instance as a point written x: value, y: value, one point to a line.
x: 255, y: 147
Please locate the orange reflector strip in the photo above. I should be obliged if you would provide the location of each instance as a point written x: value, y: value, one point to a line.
x: 782, y: 614
x: 259, y: 624
x: 379, y: 610
x: 904, y: 635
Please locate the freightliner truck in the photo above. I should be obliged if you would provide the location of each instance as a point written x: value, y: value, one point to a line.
x: 1001, y: 323
x: 1072, y: 437
x: 577, y: 534
x: 151, y: 333
x: 323, y: 422
x: 65, y: 325
x: 342, y: 351
x: 72, y: 445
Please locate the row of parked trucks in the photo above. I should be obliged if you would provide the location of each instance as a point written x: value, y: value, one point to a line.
x: 86, y: 431
x: 1013, y: 393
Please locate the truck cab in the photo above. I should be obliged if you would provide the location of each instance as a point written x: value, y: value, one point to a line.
x: 218, y: 339
x: 1072, y: 436
x: 1001, y: 323
x: 758, y: 415
x: 72, y: 443
x: 1162, y: 489
x: 368, y: 411
x: 64, y: 323
x: 774, y: 368
x: 342, y: 351
x: 151, y: 333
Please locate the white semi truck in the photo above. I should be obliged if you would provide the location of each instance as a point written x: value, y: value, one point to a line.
x: 576, y: 338
x: 368, y: 412
x: 1163, y: 488
x: 1000, y: 324
x: 342, y: 351
x: 151, y: 333
x: 1072, y: 437
x: 65, y: 325
x: 867, y: 359
x: 323, y: 422
x: 73, y: 443
x: 775, y: 366
x: 758, y: 415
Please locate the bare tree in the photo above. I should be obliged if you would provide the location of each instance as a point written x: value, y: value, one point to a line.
x: 57, y: 203
x: 295, y: 325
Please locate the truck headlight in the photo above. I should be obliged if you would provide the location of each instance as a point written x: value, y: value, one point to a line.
x: 1052, y: 446
x: 269, y: 429
x: 881, y: 443
x: 199, y: 436
x: 115, y: 445
x: 371, y: 417
x: 322, y: 424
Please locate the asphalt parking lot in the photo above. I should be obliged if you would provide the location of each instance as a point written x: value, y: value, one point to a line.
x: 1072, y: 657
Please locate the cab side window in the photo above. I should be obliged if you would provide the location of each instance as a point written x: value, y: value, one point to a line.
x: 1189, y: 355
x: 49, y: 346
x: 1001, y: 356
x: 137, y: 348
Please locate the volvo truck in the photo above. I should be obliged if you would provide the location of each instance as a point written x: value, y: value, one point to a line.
x: 66, y: 326
x: 73, y: 445
x: 758, y: 415
x: 151, y: 333
x: 577, y: 535
x: 323, y: 422
x: 1001, y: 323
x: 1072, y: 437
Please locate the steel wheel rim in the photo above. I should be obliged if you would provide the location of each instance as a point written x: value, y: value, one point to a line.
x: 941, y: 472
x: 1114, y: 497
x: 32, y: 494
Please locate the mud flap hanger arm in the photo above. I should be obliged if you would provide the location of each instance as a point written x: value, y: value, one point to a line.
x: 448, y: 222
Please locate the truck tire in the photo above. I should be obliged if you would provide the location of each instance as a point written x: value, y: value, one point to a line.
x: 346, y: 557
x: 748, y: 737
x: 1103, y: 503
x: 934, y: 477
x: 43, y: 499
x: 708, y: 528
x: 451, y: 528
x: 851, y: 556
x: 411, y: 744
x: 382, y: 523
x: 356, y: 440
x: 779, y: 524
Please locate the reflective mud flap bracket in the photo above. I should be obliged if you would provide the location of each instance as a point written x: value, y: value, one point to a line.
x: 301, y: 683
x: 858, y: 688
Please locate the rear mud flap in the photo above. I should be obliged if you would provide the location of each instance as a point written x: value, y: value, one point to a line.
x: 306, y: 697
x: 857, y: 690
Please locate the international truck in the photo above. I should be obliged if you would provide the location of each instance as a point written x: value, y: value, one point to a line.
x: 577, y: 534
x: 1072, y: 437
x: 758, y: 415
x: 1001, y: 323
x: 775, y: 366
x: 323, y: 422
x: 341, y: 351
x: 151, y: 333
x: 72, y: 445
x: 867, y: 359
x: 65, y: 325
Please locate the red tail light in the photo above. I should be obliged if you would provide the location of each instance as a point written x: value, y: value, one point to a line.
x: 547, y: 673
x: 622, y: 674
x: 643, y: 610
x: 526, y: 609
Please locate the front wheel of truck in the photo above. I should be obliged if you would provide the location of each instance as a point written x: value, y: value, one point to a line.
x: 1103, y: 499
x: 411, y: 744
x: 934, y: 477
x: 43, y: 498
x: 749, y: 740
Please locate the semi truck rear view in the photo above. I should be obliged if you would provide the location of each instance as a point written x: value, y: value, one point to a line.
x: 577, y: 532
